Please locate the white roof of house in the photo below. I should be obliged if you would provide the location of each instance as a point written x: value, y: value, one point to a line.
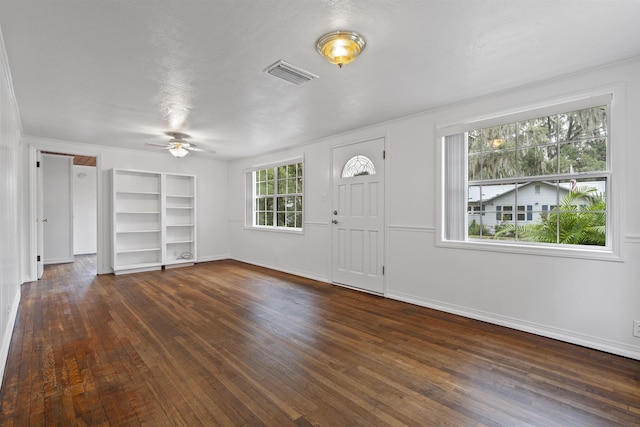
x: 490, y: 192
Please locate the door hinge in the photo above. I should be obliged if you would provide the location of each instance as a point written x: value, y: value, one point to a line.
x: 384, y: 154
x: 383, y: 270
x: 38, y: 258
x: 37, y: 164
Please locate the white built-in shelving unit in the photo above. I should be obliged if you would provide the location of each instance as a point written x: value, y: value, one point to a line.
x: 153, y: 220
x: 137, y: 220
x: 180, y: 220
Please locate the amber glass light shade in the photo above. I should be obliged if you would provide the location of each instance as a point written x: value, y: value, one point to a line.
x: 340, y: 47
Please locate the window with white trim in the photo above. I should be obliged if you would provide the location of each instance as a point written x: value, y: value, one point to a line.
x: 541, y: 177
x: 276, y: 193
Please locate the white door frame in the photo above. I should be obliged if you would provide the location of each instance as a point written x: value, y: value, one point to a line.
x: 385, y: 227
x: 34, y: 148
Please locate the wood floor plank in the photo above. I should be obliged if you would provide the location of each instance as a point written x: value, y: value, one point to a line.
x: 226, y: 343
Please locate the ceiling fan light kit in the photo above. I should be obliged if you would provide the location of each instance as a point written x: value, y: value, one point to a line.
x: 177, y: 145
x: 340, y: 47
x: 178, y: 150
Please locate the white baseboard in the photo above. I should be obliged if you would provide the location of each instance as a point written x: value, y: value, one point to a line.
x: 57, y: 261
x: 89, y: 252
x: 620, y: 349
x: 285, y: 270
x: 213, y: 258
x: 8, y: 333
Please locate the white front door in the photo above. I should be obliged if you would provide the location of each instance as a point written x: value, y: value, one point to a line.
x: 358, y: 215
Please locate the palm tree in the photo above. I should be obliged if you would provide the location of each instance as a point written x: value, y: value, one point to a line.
x: 570, y: 223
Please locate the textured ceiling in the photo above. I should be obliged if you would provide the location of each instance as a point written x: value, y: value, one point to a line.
x: 123, y: 72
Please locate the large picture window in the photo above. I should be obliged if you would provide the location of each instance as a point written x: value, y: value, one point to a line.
x: 277, y: 193
x: 531, y: 181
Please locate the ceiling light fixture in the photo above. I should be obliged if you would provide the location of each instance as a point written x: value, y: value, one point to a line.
x: 340, y: 47
x: 178, y: 150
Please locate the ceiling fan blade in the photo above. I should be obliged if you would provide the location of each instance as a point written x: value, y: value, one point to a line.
x: 192, y: 147
x: 163, y: 146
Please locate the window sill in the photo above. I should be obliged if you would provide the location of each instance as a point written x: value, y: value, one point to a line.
x: 275, y: 229
x: 564, y: 251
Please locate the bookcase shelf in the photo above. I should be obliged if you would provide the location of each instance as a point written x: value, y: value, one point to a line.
x: 179, y: 226
x: 153, y: 220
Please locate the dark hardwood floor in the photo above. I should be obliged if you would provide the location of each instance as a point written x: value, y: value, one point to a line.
x: 225, y: 343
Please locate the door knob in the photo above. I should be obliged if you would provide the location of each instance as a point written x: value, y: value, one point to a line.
x: 335, y: 212
x: 335, y: 221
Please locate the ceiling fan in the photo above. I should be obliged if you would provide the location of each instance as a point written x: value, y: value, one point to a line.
x: 177, y: 144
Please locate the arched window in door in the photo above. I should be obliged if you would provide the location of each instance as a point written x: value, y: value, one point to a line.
x: 358, y: 166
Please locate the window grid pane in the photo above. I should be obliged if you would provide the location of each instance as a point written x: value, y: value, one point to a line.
x: 272, y: 208
x: 564, y: 208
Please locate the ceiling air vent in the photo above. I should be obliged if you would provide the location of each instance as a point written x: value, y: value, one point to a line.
x: 288, y: 72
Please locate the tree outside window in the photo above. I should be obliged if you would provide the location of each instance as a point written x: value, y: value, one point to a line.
x: 542, y: 179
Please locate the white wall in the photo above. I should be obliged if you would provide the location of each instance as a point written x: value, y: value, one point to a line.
x: 306, y: 255
x: 85, y: 213
x: 10, y: 208
x: 212, y: 215
x: 589, y: 302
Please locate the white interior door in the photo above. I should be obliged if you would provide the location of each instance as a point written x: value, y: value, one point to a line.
x: 57, y: 195
x: 358, y: 215
x: 40, y: 216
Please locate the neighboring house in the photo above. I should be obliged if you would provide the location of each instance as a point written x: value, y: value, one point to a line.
x: 498, y: 202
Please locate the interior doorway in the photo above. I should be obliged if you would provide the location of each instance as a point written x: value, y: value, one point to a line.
x: 67, y: 187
